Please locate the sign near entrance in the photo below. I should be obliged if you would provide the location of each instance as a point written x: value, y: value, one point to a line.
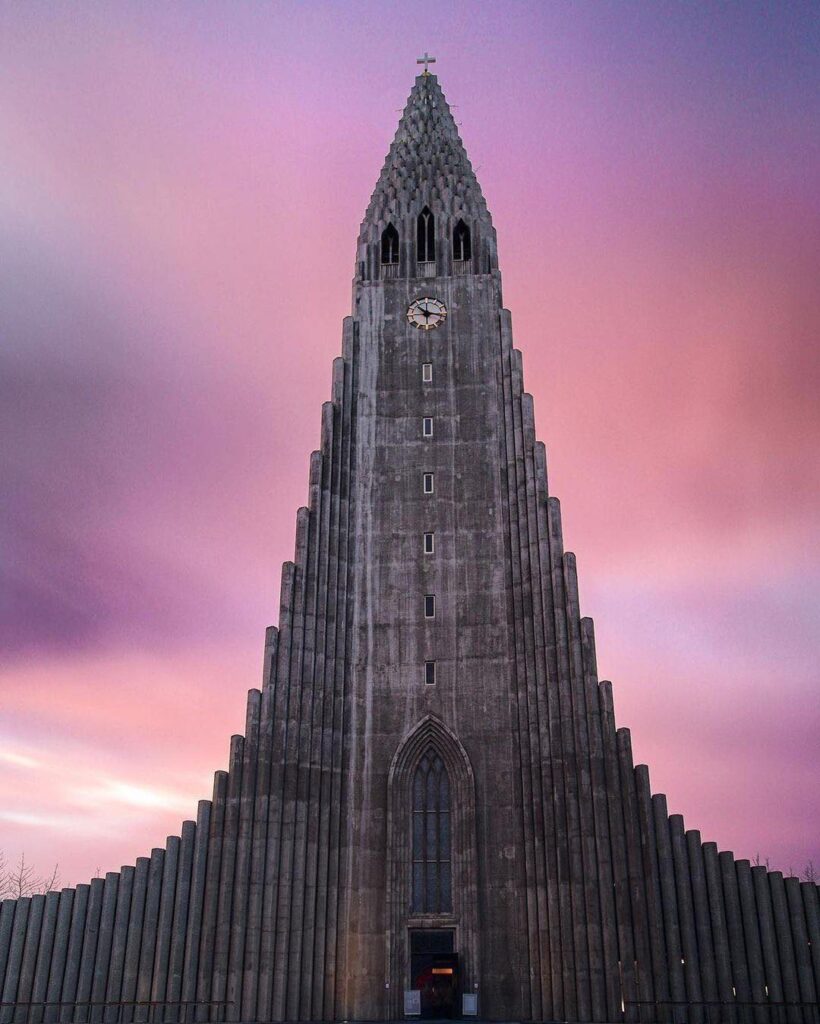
x: 412, y: 1002
x: 469, y: 1005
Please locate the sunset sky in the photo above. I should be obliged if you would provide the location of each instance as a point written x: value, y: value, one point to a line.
x: 181, y: 186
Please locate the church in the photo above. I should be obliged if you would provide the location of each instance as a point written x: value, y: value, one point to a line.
x: 431, y: 812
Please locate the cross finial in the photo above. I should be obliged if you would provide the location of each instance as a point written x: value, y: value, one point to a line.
x: 425, y: 60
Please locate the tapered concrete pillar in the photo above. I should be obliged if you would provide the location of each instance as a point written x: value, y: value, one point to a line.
x: 686, y: 912
x: 133, y: 941
x: 703, y: 922
x: 27, y: 965
x: 44, y: 954
x: 105, y: 937
x: 85, y: 979
x: 800, y: 938
x: 148, y: 946
x: 74, y: 952
x: 7, y: 908
x: 14, y: 959
x: 182, y: 897
x: 734, y: 923
x: 785, y: 946
x: 768, y: 936
x: 196, y: 904
x: 812, y: 909
x: 669, y: 900
x: 720, y: 931
x: 119, y: 938
x: 165, y: 919
x: 58, y: 957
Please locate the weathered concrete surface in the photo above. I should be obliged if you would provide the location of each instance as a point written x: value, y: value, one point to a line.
x: 575, y: 896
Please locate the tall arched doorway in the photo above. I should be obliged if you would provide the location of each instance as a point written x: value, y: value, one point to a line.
x: 432, y: 935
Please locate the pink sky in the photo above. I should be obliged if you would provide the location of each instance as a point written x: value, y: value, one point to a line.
x: 180, y: 193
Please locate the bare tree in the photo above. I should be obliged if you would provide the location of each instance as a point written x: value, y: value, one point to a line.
x: 810, y: 873
x: 758, y: 862
x: 23, y: 880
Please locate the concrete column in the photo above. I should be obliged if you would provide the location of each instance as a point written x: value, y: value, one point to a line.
x: 734, y: 924
x: 133, y: 941
x: 15, y: 957
x: 751, y: 932
x: 227, y: 880
x: 39, y: 991
x: 196, y: 906
x: 256, y: 886
x: 239, y: 917
x: 165, y: 921
x: 603, y: 850
x: 182, y: 895
x: 620, y: 873
x: 150, y: 921
x: 325, y: 600
x: 102, y: 960
x: 74, y: 952
x: 333, y: 1001
x: 210, y: 903
x: 89, y: 953
x: 7, y: 908
x: 119, y: 938
x: 592, y: 901
x: 58, y: 957
x: 800, y: 938
x: 669, y: 897
x: 637, y: 889
x: 559, y: 923
x: 686, y: 915
x: 29, y: 961
x: 703, y: 923
x: 720, y: 930
x: 785, y: 946
x: 652, y: 885
x: 299, y: 971
x: 810, y: 905
x: 768, y: 936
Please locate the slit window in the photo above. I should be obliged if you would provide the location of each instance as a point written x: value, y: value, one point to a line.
x: 429, y: 543
x: 427, y: 426
x: 427, y: 483
x: 425, y: 236
x: 390, y: 245
x: 429, y: 673
x: 429, y: 606
x: 462, y: 245
x: 427, y: 373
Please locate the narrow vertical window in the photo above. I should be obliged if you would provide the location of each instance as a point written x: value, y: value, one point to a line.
x: 429, y: 673
x: 429, y: 543
x: 428, y: 483
x: 429, y: 606
x: 425, y: 236
x: 432, y: 889
x: 427, y: 426
x: 462, y: 247
x: 427, y: 373
x: 390, y: 245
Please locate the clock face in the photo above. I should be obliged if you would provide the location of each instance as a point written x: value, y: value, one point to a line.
x: 426, y: 313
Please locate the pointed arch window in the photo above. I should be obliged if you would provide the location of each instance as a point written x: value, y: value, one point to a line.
x: 390, y: 246
x: 432, y: 873
x: 462, y: 243
x: 425, y: 236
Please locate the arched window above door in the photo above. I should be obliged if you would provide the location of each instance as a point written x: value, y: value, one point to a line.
x: 462, y: 245
x: 390, y: 246
x: 432, y: 872
x: 425, y: 237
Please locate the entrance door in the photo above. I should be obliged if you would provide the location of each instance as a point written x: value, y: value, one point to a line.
x: 434, y: 972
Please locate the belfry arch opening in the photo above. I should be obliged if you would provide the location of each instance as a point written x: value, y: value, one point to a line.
x: 390, y: 246
x: 462, y: 243
x: 425, y: 236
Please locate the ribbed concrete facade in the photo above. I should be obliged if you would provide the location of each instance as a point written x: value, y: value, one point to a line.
x: 570, y: 892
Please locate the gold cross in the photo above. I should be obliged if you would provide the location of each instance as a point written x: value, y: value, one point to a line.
x: 425, y: 60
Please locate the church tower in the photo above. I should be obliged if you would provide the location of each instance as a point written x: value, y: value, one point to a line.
x: 431, y: 811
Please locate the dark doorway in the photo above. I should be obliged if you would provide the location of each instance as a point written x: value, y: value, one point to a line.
x: 434, y: 972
